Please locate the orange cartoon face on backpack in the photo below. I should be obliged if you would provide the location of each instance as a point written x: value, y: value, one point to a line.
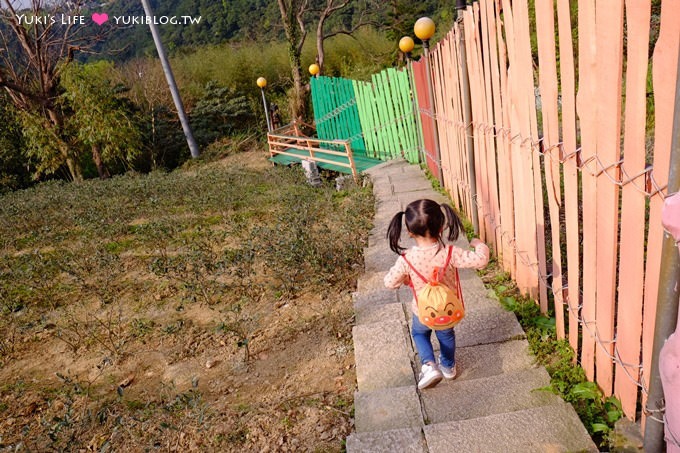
x: 439, y: 307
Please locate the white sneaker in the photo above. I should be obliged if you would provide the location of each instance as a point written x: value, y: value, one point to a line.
x: 448, y: 373
x: 429, y: 376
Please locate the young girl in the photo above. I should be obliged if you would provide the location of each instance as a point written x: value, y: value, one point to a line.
x: 425, y: 222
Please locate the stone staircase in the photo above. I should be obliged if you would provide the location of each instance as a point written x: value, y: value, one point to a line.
x: 496, y: 404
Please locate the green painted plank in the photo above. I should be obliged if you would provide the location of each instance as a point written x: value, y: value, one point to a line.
x: 396, y: 124
x: 405, y: 108
x: 377, y: 118
x: 363, y: 95
x: 404, y: 113
x: 412, y: 155
x: 388, y: 116
x: 380, y: 108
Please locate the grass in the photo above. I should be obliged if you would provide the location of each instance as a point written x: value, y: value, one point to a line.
x: 106, y: 270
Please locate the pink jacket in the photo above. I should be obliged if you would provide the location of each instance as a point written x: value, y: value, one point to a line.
x: 426, y: 259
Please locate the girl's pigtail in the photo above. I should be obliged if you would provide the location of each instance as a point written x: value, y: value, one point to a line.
x: 453, y: 222
x: 394, y: 233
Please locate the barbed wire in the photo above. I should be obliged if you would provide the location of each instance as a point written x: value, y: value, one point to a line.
x: 336, y: 111
x: 592, y: 165
x: 534, y: 267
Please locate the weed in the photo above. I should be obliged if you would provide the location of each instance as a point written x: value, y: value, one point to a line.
x: 238, y: 325
x: 237, y: 437
x: 173, y: 328
x: 141, y: 327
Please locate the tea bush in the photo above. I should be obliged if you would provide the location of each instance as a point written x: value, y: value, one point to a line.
x: 109, y: 268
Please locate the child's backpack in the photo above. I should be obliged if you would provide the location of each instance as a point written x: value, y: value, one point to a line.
x: 439, y: 307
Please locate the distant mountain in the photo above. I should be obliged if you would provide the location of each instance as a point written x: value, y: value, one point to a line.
x: 207, y: 22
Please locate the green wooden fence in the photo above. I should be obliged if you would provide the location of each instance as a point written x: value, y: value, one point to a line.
x: 335, y: 111
x: 387, y: 116
x: 377, y: 117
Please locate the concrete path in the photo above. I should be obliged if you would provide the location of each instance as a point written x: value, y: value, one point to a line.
x: 494, y: 405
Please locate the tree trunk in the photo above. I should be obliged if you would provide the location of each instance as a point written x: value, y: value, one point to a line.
x: 99, y: 163
x: 291, y: 14
x: 299, y: 89
x: 72, y: 164
x: 319, y: 44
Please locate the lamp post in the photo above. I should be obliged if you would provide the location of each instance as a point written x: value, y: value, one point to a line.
x: 262, y: 82
x: 314, y: 69
x: 406, y: 45
x: 424, y: 29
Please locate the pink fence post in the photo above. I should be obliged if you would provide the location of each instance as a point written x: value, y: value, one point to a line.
x: 570, y: 169
x: 587, y: 112
x: 609, y: 36
x: 545, y: 28
x: 632, y: 249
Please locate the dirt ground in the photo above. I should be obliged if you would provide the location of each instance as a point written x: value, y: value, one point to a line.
x: 185, y: 382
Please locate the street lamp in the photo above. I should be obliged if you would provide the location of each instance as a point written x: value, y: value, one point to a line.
x: 424, y: 30
x: 262, y: 82
x: 314, y: 69
x: 406, y: 45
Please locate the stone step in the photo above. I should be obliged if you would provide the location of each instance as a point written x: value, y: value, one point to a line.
x: 385, y: 409
x: 488, y: 325
x: 380, y: 313
x: 553, y: 428
x: 371, y: 281
x: 379, y: 258
x: 382, y: 356
x: 405, y: 440
x: 475, y: 362
x: 411, y: 182
x: 386, y: 168
x: 387, y: 206
x: 483, y: 325
x: 472, y: 284
x: 377, y: 305
x: 453, y: 400
x: 366, y: 299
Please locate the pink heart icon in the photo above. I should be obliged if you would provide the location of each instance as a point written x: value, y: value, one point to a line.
x: 100, y: 18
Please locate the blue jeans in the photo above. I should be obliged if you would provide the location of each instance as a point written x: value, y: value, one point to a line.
x: 447, y: 343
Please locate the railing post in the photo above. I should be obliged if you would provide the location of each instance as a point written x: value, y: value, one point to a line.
x: 669, y: 278
x: 310, y: 149
x: 352, y: 166
x: 467, y: 115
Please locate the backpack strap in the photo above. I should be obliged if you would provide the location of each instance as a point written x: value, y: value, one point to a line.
x: 446, y: 264
x: 459, y: 289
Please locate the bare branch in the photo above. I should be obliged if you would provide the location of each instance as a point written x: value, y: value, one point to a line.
x: 301, y: 23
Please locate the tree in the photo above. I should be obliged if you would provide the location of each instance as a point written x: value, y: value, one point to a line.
x: 35, y: 47
x: 296, y: 16
x: 331, y: 7
x: 100, y: 119
x: 14, y: 173
x: 292, y: 14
